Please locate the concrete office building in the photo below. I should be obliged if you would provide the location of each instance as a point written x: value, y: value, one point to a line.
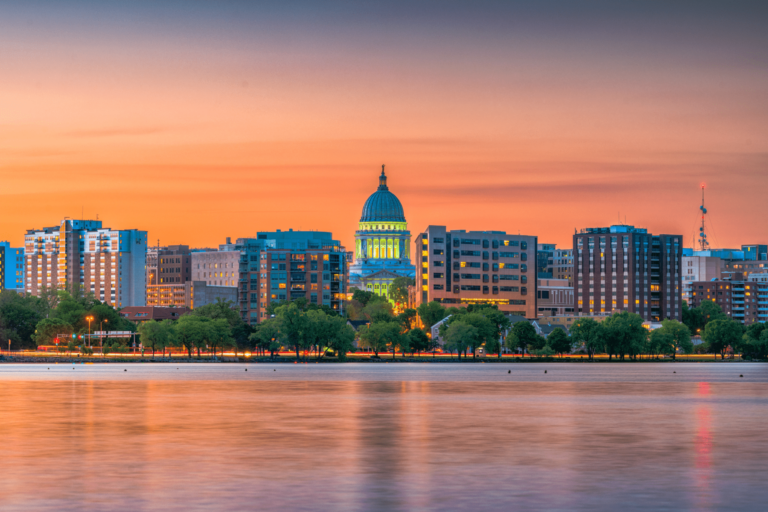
x: 11, y: 267
x: 623, y: 268
x: 744, y: 299
x: 477, y: 267
x: 81, y: 253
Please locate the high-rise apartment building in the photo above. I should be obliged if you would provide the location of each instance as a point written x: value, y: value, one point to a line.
x: 81, y: 253
x: 623, y: 268
x: 11, y: 267
x: 477, y: 267
x: 744, y: 299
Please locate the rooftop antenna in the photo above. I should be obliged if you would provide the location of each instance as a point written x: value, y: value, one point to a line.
x: 703, y: 243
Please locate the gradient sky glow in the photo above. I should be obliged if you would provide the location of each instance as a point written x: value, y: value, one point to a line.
x: 201, y: 120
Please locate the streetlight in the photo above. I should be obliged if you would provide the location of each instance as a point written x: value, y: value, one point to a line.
x: 101, y: 335
x: 90, y: 319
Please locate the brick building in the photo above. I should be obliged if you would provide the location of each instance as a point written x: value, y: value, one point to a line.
x: 623, y: 268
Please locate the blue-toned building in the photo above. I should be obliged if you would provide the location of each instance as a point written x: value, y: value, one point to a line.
x: 11, y: 267
x: 382, y: 243
x: 277, y: 266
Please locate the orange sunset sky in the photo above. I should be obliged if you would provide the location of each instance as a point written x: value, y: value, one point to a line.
x: 201, y: 120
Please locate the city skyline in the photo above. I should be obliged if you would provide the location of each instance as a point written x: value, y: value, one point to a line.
x: 203, y: 123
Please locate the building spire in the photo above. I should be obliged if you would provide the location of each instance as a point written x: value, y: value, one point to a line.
x: 383, y: 179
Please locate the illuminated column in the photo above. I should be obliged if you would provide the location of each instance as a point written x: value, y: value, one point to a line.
x: 398, y: 243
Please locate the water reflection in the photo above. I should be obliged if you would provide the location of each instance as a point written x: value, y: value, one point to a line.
x: 143, y: 443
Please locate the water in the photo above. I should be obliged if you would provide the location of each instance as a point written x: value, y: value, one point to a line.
x: 383, y: 437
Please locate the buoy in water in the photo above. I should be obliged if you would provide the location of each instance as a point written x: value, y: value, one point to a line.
x: 125, y: 370
x: 509, y: 371
x: 246, y: 369
x: 545, y: 371
x: 741, y: 376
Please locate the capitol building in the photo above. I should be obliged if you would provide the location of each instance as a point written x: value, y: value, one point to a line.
x: 382, y: 243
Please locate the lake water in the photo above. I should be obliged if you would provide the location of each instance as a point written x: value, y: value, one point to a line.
x: 384, y: 437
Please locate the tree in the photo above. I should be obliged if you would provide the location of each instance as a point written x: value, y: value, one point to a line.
x: 581, y: 332
x: 190, y: 332
x: 753, y: 347
x: 153, y: 335
x: 378, y: 311
x: 408, y: 319
x: 293, y: 324
x: 660, y: 342
x: 219, y: 335
x: 486, y: 330
x: 19, y: 317
x: 342, y: 339
x: 721, y: 334
x: 709, y: 311
x: 523, y: 334
x: 692, y: 318
x: 380, y: 335
x: 431, y: 313
x: 398, y: 289
x: 221, y: 309
x: 49, y: 329
x: 363, y: 296
x: 458, y: 336
x: 501, y: 323
x: 679, y: 336
x: 419, y: 341
x: 538, y: 344
x: 241, y: 335
x: 560, y: 342
x: 625, y: 334
x: 267, y: 336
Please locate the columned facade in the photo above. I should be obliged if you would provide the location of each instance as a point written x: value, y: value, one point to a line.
x: 382, y: 240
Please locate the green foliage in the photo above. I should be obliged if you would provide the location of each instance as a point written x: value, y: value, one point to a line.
x: 191, y: 332
x: 720, y: 334
x: 342, y: 337
x: 458, y: 336
x: 220, y: 310
x: 267, y: 336
x: 755, y: 343
x: 431, y: 313
x: 378, y: 311
x: 380, y: 335
x: 501, y: 324
x: 545, y: 351
x: 407, y: 319
x: 419, y: 341
x: 398, y: 289
x: 523, y: 335
x: 625, y: 334
x: 363, y: 296
x: 19, y: 317
x: 48, y: 329
x: 679, y: 337
x: 293, y: 324
x: 559, y: 341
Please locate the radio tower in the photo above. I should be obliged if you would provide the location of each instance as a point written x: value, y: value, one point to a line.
x: 703, y: 243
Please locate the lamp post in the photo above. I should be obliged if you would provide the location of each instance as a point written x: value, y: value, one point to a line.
x: 101, y: 335
x: 90, y: 319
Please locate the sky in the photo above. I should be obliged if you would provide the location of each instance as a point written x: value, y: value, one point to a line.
x: 197, y: 121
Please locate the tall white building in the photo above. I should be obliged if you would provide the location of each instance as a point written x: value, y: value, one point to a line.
x: 81, y: 253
